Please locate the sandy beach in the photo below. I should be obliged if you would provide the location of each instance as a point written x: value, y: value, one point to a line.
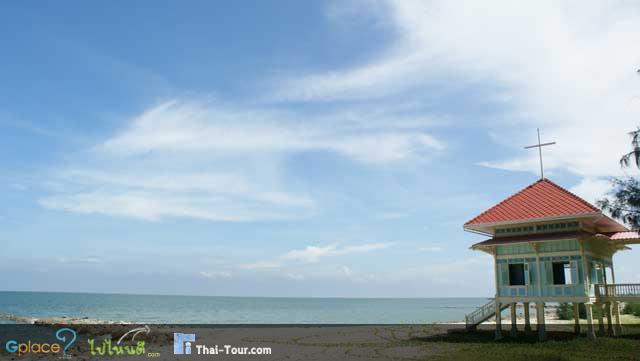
x: 377, y: 342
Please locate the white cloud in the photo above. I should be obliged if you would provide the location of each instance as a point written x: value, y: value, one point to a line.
x: 299, y: 264
x: 566, y: 67
x: 313, y: 254
x: 206, y: 161
x: 448, y: 270
x: 151, y: 195
x: 310, y: 254
x: 295, y: 276
x: 261, y: 265
x: 74, y: 260
x: 215, y: 275
x: 153, y: 206
x: 345, y: 271
x: 592, y: 189
x: 178, y: 126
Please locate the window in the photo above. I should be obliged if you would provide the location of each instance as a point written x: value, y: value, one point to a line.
x: 557, y: 226
x: 516, y: 274
x: 563, y: 273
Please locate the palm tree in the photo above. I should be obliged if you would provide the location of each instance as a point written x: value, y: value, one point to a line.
x: 635, y: 153
x: 624, y: 203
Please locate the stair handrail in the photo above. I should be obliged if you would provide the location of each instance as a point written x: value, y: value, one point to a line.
x: 480, y: 313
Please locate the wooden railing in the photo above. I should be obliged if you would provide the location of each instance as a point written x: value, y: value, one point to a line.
x: 617, y: 290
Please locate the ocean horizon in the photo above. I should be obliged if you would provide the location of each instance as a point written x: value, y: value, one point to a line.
x: 24, y: 306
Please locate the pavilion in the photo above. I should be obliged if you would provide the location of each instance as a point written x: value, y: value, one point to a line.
x: 549, y: 245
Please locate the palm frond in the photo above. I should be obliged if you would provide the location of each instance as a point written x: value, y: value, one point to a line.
x: 624, y: 161
x: 635, y: 135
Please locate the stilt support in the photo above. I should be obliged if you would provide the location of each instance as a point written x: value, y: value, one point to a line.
x: 576, y: 318
x: 608, y: 309
x: 616, y: 313
x: 498, y: 321
x: 527, y: 318
x: 590, y: 331
x: 542, y: 334
x: 600, y: 308
x: 514, y: 321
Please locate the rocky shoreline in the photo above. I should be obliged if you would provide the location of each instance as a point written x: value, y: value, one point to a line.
x: 62, y: 320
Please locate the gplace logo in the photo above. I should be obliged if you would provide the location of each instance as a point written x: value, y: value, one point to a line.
x: 22, y: 348
x: 182, y: 343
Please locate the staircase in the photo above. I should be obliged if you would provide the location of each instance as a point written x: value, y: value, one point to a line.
x: 482, y: 314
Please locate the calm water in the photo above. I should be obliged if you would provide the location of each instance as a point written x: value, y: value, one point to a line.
x: 234, y: 310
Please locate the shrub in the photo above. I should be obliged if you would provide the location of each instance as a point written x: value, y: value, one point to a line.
x: 631, y: 308
x: 565, y: 311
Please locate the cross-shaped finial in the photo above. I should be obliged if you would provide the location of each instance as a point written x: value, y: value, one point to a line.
x: 539, y: 146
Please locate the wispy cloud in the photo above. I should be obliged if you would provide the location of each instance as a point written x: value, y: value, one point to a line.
x: 295, y: 276
x: 313, y: 254
x: 178, y: 126
x: 79, y: 260
x: 567, y: 67
x: 151, y: 195
x: 447, y: 270
x: 261, y: 265
x: 592, y: 189
x: 220, y: 163
x: 215, y: 274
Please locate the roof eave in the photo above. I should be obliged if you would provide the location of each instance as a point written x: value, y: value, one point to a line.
x: 482, y: 247
x: 544, y: 237
x: 485, y: 228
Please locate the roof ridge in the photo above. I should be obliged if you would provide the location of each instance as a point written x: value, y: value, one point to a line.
x: 542, y: 180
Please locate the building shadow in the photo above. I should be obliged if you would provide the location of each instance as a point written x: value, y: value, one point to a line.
x: 487, y: 335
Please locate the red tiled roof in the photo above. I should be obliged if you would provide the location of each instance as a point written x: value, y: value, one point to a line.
x: 624, y: 235
x: 541, y: 199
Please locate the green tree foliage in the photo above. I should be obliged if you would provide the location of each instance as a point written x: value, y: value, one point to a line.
x: 624, y: 200
x: 624, y: 203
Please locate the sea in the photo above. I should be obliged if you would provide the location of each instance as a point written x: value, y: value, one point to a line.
x: 233, y: 310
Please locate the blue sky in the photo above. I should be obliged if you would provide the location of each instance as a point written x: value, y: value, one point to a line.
x: 281, y: 148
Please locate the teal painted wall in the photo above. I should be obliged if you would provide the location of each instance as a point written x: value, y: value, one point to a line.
x: 514, y: 249
x: 566, y: 245
x: 545, y: 273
